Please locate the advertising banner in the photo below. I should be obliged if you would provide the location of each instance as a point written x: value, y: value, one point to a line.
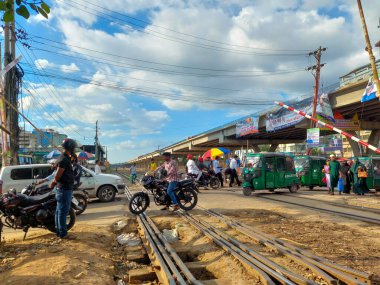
x: 248, y: 126
x: 345, y: 125
x: 370, y: 91
x: 282, y: 118
x: 312, y: 138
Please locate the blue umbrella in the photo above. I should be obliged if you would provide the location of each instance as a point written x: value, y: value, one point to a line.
x: 53, y: 154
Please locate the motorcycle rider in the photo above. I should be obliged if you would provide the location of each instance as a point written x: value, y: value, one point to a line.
x: 208, y: 163
x: 202, y: 168
x: 64, y: 179
x: 192, y: 168
x: 171, y: 167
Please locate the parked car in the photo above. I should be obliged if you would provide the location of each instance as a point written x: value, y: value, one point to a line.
x: 102, y: 186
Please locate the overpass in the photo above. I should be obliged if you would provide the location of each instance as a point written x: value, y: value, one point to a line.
x: 345, y: 100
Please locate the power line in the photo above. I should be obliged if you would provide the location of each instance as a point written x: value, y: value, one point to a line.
x: 172, y: 38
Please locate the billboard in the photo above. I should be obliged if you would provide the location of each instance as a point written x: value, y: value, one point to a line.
x: 283, y: 118
x: 248, y: 126
x: 312, y: 138
x: 370, y: 91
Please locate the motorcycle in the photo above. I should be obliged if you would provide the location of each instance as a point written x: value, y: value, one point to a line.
x: 185, y: 194
x: 208, y: 179
x: 20, y: 211
x: 80, y: 197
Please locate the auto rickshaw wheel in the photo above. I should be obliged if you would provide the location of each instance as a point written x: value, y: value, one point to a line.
x: 293, y: 188
x: 247, y: 191
x: 311, y: 188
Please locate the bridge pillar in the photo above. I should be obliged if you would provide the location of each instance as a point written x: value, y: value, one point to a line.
x: 273, y: 147
x: 354, y: 145
x: 256, y: 148
x: 374, y: 139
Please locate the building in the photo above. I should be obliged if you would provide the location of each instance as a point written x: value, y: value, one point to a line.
x: 50, y: 138
x: 27, y: 139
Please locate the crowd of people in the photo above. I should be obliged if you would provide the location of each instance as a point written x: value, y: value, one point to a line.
x: 350, y: 175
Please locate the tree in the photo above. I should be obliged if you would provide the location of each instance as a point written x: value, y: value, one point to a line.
x: 22, y: 8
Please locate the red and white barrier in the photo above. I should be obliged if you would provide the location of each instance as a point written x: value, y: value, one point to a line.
x: 375, y: 149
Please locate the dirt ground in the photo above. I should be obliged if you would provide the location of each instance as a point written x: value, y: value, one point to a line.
x: 95, y: 258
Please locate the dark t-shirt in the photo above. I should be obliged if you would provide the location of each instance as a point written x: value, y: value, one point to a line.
x: 67, y: 178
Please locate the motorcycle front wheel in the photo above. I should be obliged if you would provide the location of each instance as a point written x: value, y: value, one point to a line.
x: 83, y: 202
x: 70, y: 221
x: 214, y: 183
x: 138, y: 203
x: 187, y: 199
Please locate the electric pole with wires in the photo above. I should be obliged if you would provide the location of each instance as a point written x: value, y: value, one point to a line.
x: 316, y: 71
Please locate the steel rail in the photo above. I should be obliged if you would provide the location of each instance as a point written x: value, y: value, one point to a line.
x: 275, y: 267
x: 189, y: 276
x: 160, y: 267
x: 166, y: 250
x: 351, y: 216
x: 238, y: 254
x: 177, y: 275
x: 346, y: 274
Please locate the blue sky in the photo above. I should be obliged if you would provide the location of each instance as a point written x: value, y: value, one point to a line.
x: 254, y: 50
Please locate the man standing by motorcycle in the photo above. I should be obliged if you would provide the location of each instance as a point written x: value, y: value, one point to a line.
x: 218, y: 170
x: 64, y: 180
x: 171, y: 168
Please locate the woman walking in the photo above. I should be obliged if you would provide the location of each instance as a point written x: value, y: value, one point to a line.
x: 326, y: 171
x: 346, y: 178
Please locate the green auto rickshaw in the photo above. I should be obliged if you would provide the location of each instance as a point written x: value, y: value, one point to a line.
x: 269, y: 171
x: 309, y: 170
x: 372, y: 163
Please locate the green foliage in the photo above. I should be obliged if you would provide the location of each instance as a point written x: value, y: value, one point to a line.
x: 22, y: 8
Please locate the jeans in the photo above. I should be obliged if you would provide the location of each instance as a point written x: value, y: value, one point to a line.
x: 63, y: 197
x: 234, y: 176
x: 171, y: 194
x: 220, y: 177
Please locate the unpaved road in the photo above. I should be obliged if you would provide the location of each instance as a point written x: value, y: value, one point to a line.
x: 94, y: 258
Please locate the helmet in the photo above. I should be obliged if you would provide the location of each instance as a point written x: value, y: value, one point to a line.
x: 189, y: 156
x: 69, y: 144
x: 200, y: 159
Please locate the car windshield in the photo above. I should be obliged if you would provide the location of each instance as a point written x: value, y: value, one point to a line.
x: 254, y: 162
x: 301, y: 163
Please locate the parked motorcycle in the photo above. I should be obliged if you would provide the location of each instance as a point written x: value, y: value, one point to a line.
x: 208, y: 179
x: 80, y: 197
x: 20, y: 211
x: 185, y: 193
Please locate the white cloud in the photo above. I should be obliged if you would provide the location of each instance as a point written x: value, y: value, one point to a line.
x: 66, y: 68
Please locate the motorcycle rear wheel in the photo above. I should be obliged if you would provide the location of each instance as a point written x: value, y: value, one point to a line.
x: 138, y: 203
x: 214, y: 183
x: 70, y: 221
x: 83, y: 202
x: 187, y: 199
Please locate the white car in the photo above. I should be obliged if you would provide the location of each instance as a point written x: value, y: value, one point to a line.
x: 102, y: 186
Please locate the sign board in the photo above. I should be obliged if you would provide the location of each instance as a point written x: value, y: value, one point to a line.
x: 345, y: 125
x: 312, y: 138
x: 248, y: 126
x: 370, y: 91
x: 282, y: 118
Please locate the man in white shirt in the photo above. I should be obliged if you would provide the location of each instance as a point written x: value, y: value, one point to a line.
x: 98, y: 170
x: 192, y: 168
x: 234, y: 168
x: 218, y: 170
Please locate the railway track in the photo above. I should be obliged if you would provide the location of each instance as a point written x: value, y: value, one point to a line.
x: 359, y: 208
x: 342, y: 214
x: 168, y: 266
x: 330, y: 272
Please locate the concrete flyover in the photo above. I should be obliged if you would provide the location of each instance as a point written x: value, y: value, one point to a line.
x: 345, y: 100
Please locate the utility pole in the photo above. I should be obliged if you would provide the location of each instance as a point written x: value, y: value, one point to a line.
x: 10, y: 90
x: 369, y: 49
x: 316, y: 71
x: 96, y: 141
x: 4, y: 136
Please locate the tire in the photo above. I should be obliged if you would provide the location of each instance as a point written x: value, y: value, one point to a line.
x: 311, y: 188
x: 83, y: 202
x: 247, y: 191
x: 138, y: 203
x: 293, y: 188
x: 187, y: 199
x: 214, y: 183
x: 107, y: 193
x: 71, y: 222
